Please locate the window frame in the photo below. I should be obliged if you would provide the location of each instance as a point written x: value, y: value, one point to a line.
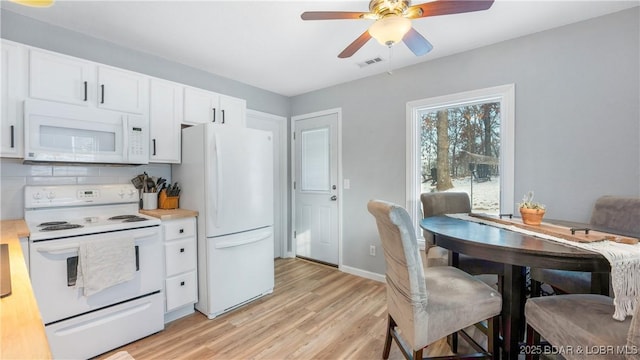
x: 505, y: 94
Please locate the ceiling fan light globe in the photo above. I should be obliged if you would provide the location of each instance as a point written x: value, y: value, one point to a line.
x: 34, y: 3
x: 390, y: 29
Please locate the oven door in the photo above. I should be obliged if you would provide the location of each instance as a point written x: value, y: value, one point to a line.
x: 54, y: 269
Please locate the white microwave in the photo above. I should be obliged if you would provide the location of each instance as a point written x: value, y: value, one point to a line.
x: 65, y: 133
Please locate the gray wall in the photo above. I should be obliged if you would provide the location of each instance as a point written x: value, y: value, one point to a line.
x: 577, y: 125
x: 32, y: 32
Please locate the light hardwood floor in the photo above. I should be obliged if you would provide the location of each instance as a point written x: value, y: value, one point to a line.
x: 315, y: 312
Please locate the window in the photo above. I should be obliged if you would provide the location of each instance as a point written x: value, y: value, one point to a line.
x: 462, y: 142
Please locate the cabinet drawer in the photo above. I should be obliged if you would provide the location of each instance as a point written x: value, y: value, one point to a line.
x: 180, y: 290
x: 177, y: 229
x: 180, y: 256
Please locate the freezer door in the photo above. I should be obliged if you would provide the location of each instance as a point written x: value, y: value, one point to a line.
x: 240, y: 269
x: 240, y: 180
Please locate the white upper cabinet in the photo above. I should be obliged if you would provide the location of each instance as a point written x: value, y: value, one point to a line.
x: 122, y: 90
x: 233, y: 111
x: 13, y: 92
x: 62, y: 78
x: 165, y: 118
x: 201, y: 106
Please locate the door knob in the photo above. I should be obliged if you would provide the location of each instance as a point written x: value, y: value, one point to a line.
x: 334, y: 198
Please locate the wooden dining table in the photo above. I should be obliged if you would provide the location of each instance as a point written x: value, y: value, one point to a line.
x: 516, y: 251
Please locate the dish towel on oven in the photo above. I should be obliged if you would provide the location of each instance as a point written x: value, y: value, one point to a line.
x: 105, y: 263
x: 624, y: 260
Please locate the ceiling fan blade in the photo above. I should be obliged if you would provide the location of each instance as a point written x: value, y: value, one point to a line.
x: 417, y: 43
x: 355, y: 45
x: 446, y: 7
x: 331, y: 15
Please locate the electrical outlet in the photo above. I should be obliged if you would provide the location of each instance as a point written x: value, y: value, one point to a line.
x: 372, y: 250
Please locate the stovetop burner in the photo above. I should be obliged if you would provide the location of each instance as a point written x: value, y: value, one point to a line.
x: 123, y: 217
x: 63, y: 226
x: 52, y: 223
x: 135, y: 219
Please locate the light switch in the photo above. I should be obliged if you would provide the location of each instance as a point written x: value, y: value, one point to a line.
x: 346, y: 184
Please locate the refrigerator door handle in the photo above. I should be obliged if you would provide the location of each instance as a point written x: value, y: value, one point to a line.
x: 218, y: 203
x: 243, y: 240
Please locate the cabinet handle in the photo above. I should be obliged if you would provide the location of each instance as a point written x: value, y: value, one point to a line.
x: 102, y: 94
x: 181, y: 250
x: 85, y: 91
x: 181, y: 283
x: 154, y: 146
x: 13, y: 137
x: 181, y: 231
x: 214, y: 114
x: 223, y: 116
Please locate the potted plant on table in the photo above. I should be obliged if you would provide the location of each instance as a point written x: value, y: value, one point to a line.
x: 531, y: 212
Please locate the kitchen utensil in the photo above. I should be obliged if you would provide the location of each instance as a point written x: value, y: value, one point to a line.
x: 150, y: 185
x: 137, y: 182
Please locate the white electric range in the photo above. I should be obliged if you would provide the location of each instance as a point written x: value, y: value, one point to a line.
x: 59, y: 219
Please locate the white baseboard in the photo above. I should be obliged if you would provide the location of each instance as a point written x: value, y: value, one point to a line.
x: 362, y: 273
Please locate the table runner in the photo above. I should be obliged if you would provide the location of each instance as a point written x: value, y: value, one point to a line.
x: 623, y: 258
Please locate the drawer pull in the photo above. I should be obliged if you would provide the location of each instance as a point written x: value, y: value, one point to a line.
x: 181, y: 250
x: 181, y: 283
x: 181, y: 231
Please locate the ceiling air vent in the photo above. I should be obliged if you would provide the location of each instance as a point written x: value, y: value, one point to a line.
x: 370, y: 62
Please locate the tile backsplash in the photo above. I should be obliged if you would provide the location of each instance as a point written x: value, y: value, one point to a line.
x: 14, y: 175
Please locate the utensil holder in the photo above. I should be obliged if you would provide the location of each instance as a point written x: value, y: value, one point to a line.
x: 167, y: 202
x: 149, y: 201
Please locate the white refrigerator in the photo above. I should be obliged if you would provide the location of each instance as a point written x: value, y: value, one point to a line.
x: 226, y: 175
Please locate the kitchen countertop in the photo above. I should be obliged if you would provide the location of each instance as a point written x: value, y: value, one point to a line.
x: 170, y: 214
x: 22, y: 334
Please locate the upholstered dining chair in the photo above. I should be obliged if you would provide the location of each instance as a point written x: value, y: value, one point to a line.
x: 615, y: 214
x: 427, y: 304
x: 440, y: 203
x: 581, y: 326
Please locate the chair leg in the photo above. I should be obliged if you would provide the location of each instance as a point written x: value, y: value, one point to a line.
x: 493, y: 337
x: 536, y: 289
x: 417, y: 355
x: 454, y: 343
x: 533, y: 338
x: 388, y: 338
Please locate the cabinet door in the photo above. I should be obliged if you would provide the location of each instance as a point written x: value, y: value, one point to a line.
x: 181, y: 290
x: 60, y: 78
x: 165, y: 118
x: 122, y: 90
x: 13, y: 77
x: 233, y: 111
x: 200, y: 106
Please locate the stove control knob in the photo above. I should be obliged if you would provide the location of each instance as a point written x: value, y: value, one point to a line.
x: 132, y: 193
x: 37, y: 196
x: 121, y: 193
x: 51, y: 195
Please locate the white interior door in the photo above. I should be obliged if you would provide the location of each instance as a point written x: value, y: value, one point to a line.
x: 316, y: 186
x: 278, y: 126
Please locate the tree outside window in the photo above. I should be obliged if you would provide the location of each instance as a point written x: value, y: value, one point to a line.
x: 460, y: 151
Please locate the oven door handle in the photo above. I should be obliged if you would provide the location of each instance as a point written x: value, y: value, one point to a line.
x: 56, y: 250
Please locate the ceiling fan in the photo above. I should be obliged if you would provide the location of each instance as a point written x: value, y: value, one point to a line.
x: 393, y: 21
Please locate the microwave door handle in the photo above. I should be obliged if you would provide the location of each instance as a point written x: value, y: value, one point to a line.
x: 125, y: 138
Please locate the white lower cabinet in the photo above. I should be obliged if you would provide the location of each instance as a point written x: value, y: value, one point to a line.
x: 181, y: 290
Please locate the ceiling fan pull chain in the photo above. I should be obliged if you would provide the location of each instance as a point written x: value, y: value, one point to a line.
x: 389, y: 62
